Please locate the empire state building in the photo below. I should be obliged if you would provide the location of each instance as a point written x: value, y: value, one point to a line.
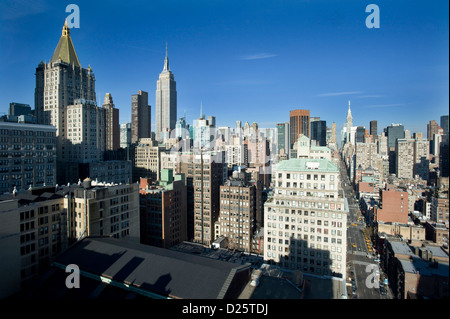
x: 166, y: 101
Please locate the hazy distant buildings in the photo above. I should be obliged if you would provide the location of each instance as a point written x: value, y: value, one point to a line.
x: 140, y: 116
x: 166, y: 101
x: 125, y: 135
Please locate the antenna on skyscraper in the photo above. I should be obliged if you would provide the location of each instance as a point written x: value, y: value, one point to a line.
x: 201, y: 109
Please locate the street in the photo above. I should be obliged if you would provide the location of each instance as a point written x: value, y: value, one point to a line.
x: 363, y: 272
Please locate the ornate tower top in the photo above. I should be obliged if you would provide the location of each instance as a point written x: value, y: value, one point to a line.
x: 65, y: 49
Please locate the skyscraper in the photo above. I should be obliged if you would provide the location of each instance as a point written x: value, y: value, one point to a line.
x: 58, y: 84
x: 444, y: 123
x: 166, y: 101
x: 394, y: 132
x: 432, y: 128
x: 319, y: 131
x: 140, y: 116
x: 299, y: 122
x: 374, y: 129
x: 349, y: 124
x: 112, y: 129
x: 283, y: 137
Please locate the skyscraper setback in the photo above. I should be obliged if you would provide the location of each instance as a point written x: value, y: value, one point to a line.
x: 166, y: 101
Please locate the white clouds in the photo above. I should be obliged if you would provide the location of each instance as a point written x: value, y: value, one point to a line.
x: 382, y: 105
x: 340, y: 93
x: 258, y: 56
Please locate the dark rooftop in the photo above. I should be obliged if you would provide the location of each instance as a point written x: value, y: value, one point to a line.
x: 150, y: 271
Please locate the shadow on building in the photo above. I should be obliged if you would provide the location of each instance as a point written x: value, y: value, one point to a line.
x: 316, y: 268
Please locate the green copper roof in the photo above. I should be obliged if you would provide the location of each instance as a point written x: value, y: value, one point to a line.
x: 307, y: 164
x: 65, y: 49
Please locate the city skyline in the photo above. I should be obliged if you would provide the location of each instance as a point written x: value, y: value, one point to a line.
x: 241, y: 61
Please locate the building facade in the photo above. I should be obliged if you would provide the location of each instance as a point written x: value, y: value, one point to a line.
x: 299, y: 124
x: 58, y: 84
x: 140, y: 116
x: 27, y: 156
x: 305, y: 221
x: 112, y: 127
x: 163, y: 210
x: 166, y: 101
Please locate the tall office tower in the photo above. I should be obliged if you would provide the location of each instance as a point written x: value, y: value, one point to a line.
x: 383, y: 144
x: 112, y: 127
x: 205, y: 172
x: 432, y: 128
x: 283, y: 138
x: 412, y: 158
x: 349, y: 124
x: 421, y: 158
x: 374, y: 129
x: 238, y: 205
x: 333, y: 134
x: 166, y: 101
x: 27, y: 156
x: 444, y: 123
x: 85, y: 137
x: 404, y: 158
x: 125, y: 135
x: 394, y: 132
x: 299, y: 124
x: 318, y: 130
x: 366, y: 155
x: 305, y: 222
x: 58, y: 84
x: 360, y: 132
x: 140, y: 117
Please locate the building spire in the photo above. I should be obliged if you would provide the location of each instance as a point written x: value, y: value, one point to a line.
x: 166, y: 61
x: 349, y: 112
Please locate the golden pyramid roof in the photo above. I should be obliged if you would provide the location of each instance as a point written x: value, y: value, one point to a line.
x: 65, y: 49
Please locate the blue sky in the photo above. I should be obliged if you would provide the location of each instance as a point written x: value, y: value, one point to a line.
x: 245, y: 60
